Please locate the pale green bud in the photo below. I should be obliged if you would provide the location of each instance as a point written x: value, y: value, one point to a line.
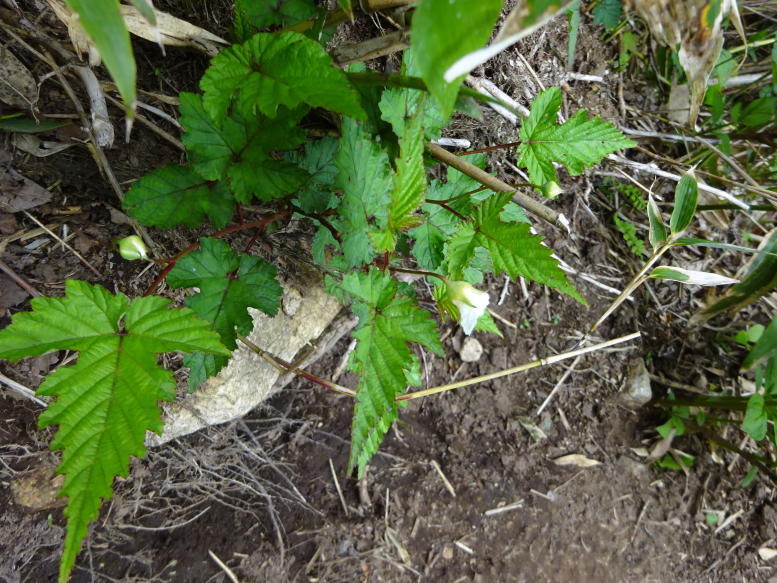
x: 132, y: 248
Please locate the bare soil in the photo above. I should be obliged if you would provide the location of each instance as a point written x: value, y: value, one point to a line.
x: 462, y: 490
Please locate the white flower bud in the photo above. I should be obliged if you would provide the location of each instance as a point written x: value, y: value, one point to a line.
x: 470, y: 302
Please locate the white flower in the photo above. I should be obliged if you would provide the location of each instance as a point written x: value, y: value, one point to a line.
x: 132, y: 248
x: 551, y: 189
x: 470, y: 302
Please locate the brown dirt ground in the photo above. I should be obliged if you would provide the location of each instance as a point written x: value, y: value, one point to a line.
x: 260, y: 494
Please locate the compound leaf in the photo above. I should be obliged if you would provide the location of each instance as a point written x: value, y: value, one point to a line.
x: 107, y: 400
x: 511, y: 248
x: 271, y: 70
x: 577, y: 144
x: 177, y: 195
x: 382, y: 358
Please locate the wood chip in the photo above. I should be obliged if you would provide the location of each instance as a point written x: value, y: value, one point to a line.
x: 576, y: 459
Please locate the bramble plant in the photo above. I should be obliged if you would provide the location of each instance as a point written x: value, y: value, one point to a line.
x: 365, y: 187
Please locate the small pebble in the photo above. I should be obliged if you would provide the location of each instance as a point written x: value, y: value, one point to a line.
x: 471, y: 350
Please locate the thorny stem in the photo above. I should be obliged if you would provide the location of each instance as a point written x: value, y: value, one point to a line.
x: 260, y: 224
x: 286, y: 367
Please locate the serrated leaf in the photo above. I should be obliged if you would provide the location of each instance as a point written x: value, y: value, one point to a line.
x: 105, y: 26
x: 271, y: 70
x: 107, y: 400
x: 177, y: 195
x: 608, y: 13
x: 316, y: 196
x: 241, y: 148
x: 398, y: 105
x: 577, y: 144
x: 511, y: 248
x: 686, y: 195
x: 443, y: 31
x: 229, y: 284
x: 409, y: 179
x: 264, y: 13
x: 365, y: 180
x: 382, y: 358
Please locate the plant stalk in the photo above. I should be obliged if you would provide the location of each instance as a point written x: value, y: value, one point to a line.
x: 497, y: 185
x: 516, y: 369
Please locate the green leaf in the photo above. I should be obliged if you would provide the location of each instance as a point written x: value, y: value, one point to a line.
x: 409, y: 179
x: 756, y: 419
x: 442, y: 32
x: 229, y: 284
x: 766, y: 347
x: 685, y: 198
x: 242, y: 149
x: 629, y: 232
x: 365, y: 180
x: 271, y: 70
x: 264, y: 13
x: 759, y: 112
x: 577, y: 144
x: 105, y: 26
x: 398, y: 105
x: 176, y: 195
x: 316, y: 194
x: 146, y: 10
x: 608, y: 13
x: 29, y: 126
x: 511, y: 247
x: 107, y: 400
x: 382, y: 358
x: 657, y: 232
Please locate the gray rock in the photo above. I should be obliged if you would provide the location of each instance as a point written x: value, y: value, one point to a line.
x: 636, y: 391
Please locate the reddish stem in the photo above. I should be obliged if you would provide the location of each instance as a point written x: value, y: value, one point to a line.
x: 260, y: 224
x: 490, y: 148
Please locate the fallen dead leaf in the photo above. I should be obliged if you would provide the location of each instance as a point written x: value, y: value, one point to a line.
x: 766, y: 553
x: 18, y: 193
x: 17, y: 85
x: 576, y: 459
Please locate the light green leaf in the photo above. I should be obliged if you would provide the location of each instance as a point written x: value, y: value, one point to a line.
x: 443, y: 31
x: 574, y: 28
x: 146, y: 10
x: 104, y: 24
x: 271, y: 70
x: 364, y: 178
x: 511, y: 248
x: 176, y: 195
x: 766, y: 347
x: 382, y: 358
x: 409, y: 179
x: 29, y: 126
x: 657, y: 232
x: 690, y: 276
x: 107, y: 400
x: 756, y: 419
x: 685, y: 198
x: 577, y: 144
